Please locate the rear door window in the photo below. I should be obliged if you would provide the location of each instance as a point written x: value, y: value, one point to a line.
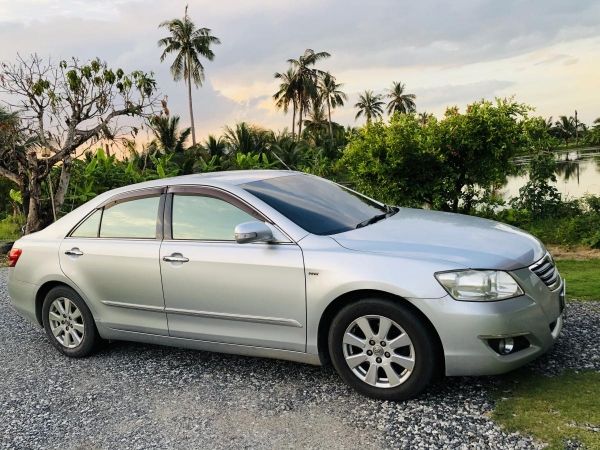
x: 131, y: 219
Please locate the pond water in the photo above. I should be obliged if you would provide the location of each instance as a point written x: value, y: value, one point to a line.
x: 578, y: 174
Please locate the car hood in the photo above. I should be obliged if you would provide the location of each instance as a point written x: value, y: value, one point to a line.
x: 462, y: 240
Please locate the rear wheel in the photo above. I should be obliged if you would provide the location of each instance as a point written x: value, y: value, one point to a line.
x: 381, y: 348
x: 69, y: 323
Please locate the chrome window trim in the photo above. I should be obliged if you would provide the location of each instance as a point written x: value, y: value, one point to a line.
x: 215, y: 192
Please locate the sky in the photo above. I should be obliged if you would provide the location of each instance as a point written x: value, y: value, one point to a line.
x: 546, y: 53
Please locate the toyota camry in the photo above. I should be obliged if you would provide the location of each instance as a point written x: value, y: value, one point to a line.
x: 287, y: 265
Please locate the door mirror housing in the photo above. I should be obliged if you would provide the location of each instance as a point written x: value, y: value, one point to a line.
x: 254, y: 231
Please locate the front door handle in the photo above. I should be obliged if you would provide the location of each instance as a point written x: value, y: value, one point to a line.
x: 176, y: 257
x: 74, y: 252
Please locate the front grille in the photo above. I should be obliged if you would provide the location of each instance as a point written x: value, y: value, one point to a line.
x: 546, y: 271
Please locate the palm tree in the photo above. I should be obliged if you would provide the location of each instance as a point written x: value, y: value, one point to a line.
x: 316, y: 121
x: 188, y: 44
x: 369, y: 105
x: 246, y: 138
x: 291, y: 152
x: 287, y: 94
x: 331, y: 92
x: 166, y: 131
x: 214, y: 146
x: 306, y: 79
x: 400, y: 101
x: 564, y: 128
x: 424, y: 117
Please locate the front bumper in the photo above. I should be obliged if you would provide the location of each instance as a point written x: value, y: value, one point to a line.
x: 466, y: 328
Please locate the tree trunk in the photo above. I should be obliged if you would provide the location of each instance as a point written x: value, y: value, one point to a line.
x: 330, y: 127
x: 34, y: 221
x: 192, y: 126
x: 294, y: 121
x: 300, y: 119
x: 63, y: 184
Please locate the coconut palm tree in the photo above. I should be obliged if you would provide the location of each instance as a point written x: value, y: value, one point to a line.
x: 331, y: 93
x: 369, y: 105
x: 400, y: 101
x: 306, y: 79
x: 564, y: 128
x: 214, y: 146
x: 188, y: 44
x: 246, y: 138
x: 287, y: 94
x: 167, y: 134
x: 424, y: 117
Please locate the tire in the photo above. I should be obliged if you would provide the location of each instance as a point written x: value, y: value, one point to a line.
x: 403, y: 361
x: 78, y: 318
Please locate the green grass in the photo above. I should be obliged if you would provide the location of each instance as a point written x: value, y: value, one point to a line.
x: 583, y: 278
x: 552, y: 409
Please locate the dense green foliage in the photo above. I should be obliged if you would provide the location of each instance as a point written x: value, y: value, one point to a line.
x: 456, y: 163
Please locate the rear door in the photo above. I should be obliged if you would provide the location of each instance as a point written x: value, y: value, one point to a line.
x: 113, y: 257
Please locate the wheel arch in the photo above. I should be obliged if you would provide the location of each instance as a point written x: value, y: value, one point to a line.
x: 43, y: 290
x: 354, y: 296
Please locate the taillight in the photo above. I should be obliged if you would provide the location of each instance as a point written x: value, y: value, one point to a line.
x: 13, y: 256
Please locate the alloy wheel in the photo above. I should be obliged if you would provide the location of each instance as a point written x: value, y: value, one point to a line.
x: 378, y: 351
x: 66, y: 322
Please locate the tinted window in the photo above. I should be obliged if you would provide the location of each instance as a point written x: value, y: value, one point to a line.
x: 89, y: 227
x: 317, y: 205
x: 131, y: 219
x: 205, y: 218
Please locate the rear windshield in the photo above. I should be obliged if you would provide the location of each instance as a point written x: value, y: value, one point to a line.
x: 317, y: 205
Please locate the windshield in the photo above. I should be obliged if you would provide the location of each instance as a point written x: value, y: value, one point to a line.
x: 317, y: 205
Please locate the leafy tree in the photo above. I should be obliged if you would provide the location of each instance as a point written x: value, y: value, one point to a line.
x: 331, y: 92
x: 63, y: 108
x: 400, y: 101
x: 396, y: 163
x: 188, y: 43
x: 370, y: 106
x: 538, y: 196
x: 476, y: 149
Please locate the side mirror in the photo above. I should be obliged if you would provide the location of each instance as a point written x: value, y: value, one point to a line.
x: 255, y: 231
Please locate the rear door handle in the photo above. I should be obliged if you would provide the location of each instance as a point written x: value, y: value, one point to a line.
x: 74, y: 252
x: 176, y: 257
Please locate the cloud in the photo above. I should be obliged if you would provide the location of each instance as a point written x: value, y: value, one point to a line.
x: 445, y: 51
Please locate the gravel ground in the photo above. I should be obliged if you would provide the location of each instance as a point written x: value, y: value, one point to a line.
x: 142, y: 396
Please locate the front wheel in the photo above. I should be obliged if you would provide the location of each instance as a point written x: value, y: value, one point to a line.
x: 69, y: 323
x: 382, y: 349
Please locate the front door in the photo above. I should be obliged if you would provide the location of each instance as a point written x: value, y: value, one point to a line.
x: 113, y: 257
x: 220, y: 291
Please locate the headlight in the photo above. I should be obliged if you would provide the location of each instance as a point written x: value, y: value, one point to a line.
x: 479, y: 285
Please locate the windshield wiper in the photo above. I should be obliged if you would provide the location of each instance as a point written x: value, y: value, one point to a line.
x: 391, y: 210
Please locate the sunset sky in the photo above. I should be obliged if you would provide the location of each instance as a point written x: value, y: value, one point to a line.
x: 546, y: 53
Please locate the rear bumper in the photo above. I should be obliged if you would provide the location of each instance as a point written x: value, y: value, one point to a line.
x: 22, y: 295
x: 466, y: 328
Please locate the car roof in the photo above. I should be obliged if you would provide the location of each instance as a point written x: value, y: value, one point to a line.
x: 232, y: 177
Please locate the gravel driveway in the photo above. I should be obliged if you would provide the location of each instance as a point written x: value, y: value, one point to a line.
x: 142, y: 396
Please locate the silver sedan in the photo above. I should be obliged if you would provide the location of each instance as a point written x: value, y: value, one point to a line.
x: 286, y: 265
